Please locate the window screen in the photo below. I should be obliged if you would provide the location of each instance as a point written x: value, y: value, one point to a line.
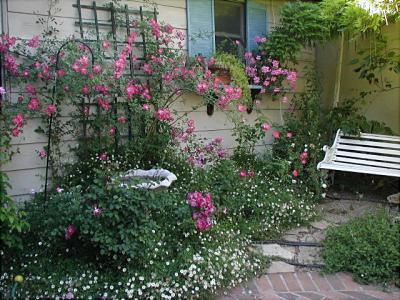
x: 229, y: 25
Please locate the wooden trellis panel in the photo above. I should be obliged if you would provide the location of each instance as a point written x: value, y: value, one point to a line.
x: 117, y: 18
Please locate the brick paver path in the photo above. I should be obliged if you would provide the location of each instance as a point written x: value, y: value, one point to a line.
x: 308, y: 285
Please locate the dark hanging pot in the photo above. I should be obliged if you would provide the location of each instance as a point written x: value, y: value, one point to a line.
x: 210, y: 109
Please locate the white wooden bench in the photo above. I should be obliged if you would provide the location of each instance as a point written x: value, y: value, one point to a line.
x: 368, y: 153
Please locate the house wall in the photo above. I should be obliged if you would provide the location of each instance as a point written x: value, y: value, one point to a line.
x: 382, y: 106
x: 26, y: 170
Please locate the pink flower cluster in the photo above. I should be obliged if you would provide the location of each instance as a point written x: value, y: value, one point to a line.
x: 119, y: 64
x: 230, y: 93
x: 304, y: 157
x: 81, y: 64
x: 268, y: 72
x: 6, y: 42
x: 134, y: 89
x: 245, y: 173
x: 204, y: 209
x: 155, y: 28
x: 34, y: 42
x: 18, y: 121
x: 163, y: 114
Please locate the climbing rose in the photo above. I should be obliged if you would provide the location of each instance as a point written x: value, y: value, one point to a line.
x: 289, y: 134
x: 42, y: 153
x: 146, y: 106
x: 168, y: 28
x: 15, y: 131
x: 2, y: 90
x: 295, y: 173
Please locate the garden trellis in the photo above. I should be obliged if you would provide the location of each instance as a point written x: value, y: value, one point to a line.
x: 118, y: 18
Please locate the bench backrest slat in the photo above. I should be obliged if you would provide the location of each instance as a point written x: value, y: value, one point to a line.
x: 371, y: 163
x: 368, y: 149
x: 380, y: 137
x: 351, y: 141
x: 384, y: 158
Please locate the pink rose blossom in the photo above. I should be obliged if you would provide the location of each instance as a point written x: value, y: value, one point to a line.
x: 50, y: 109
x: 295, y: 173
x: 69, y: 232
x: 34, y: 42
x: 163, y: 114
x: 276, y: 134
x: 122, y: 120
x: 85, y: 89
x: 15, y: 131
x: 202, y: 87
x: 289, y: 135
x: 168, y: 28
x: 146, y: 106
x: 266, y: 126
x: 18, y: 120
x: 97, y: 211
x: 42, y: 153
x: 34, y: 104
x: 105, y: 44
x: 241, y: 107
x: 243, y: 173
x: 111, y: 131
x: 103, y: 156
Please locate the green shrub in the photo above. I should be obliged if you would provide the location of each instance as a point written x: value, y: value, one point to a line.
x: 368, y: 247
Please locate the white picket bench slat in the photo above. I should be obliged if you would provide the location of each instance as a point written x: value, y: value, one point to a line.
x: 368, y: 153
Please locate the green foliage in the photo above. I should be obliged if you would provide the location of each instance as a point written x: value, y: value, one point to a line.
x: 304, y: 126
x: 368, y: 247
x: 348, y: 117
x: 301, y: 24
x: 238, y: 74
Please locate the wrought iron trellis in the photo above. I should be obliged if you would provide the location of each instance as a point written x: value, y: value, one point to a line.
x: 112, y: 24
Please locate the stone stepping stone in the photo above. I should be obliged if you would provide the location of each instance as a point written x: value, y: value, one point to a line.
x: 280, y: 267
x: 274, y: 250
x: 321, y: 225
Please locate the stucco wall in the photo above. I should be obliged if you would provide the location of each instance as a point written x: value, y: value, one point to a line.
x: 382, y: 106
x: 26, y: 170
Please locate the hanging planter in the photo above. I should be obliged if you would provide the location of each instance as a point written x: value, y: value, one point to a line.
x: 210, y: 109
x: 254, y: 91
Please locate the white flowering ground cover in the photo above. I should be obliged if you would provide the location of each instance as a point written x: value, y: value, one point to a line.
x: 100, y: 240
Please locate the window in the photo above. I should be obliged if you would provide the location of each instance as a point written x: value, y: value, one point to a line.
x: 213, y: 24
x: 229, y: 24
